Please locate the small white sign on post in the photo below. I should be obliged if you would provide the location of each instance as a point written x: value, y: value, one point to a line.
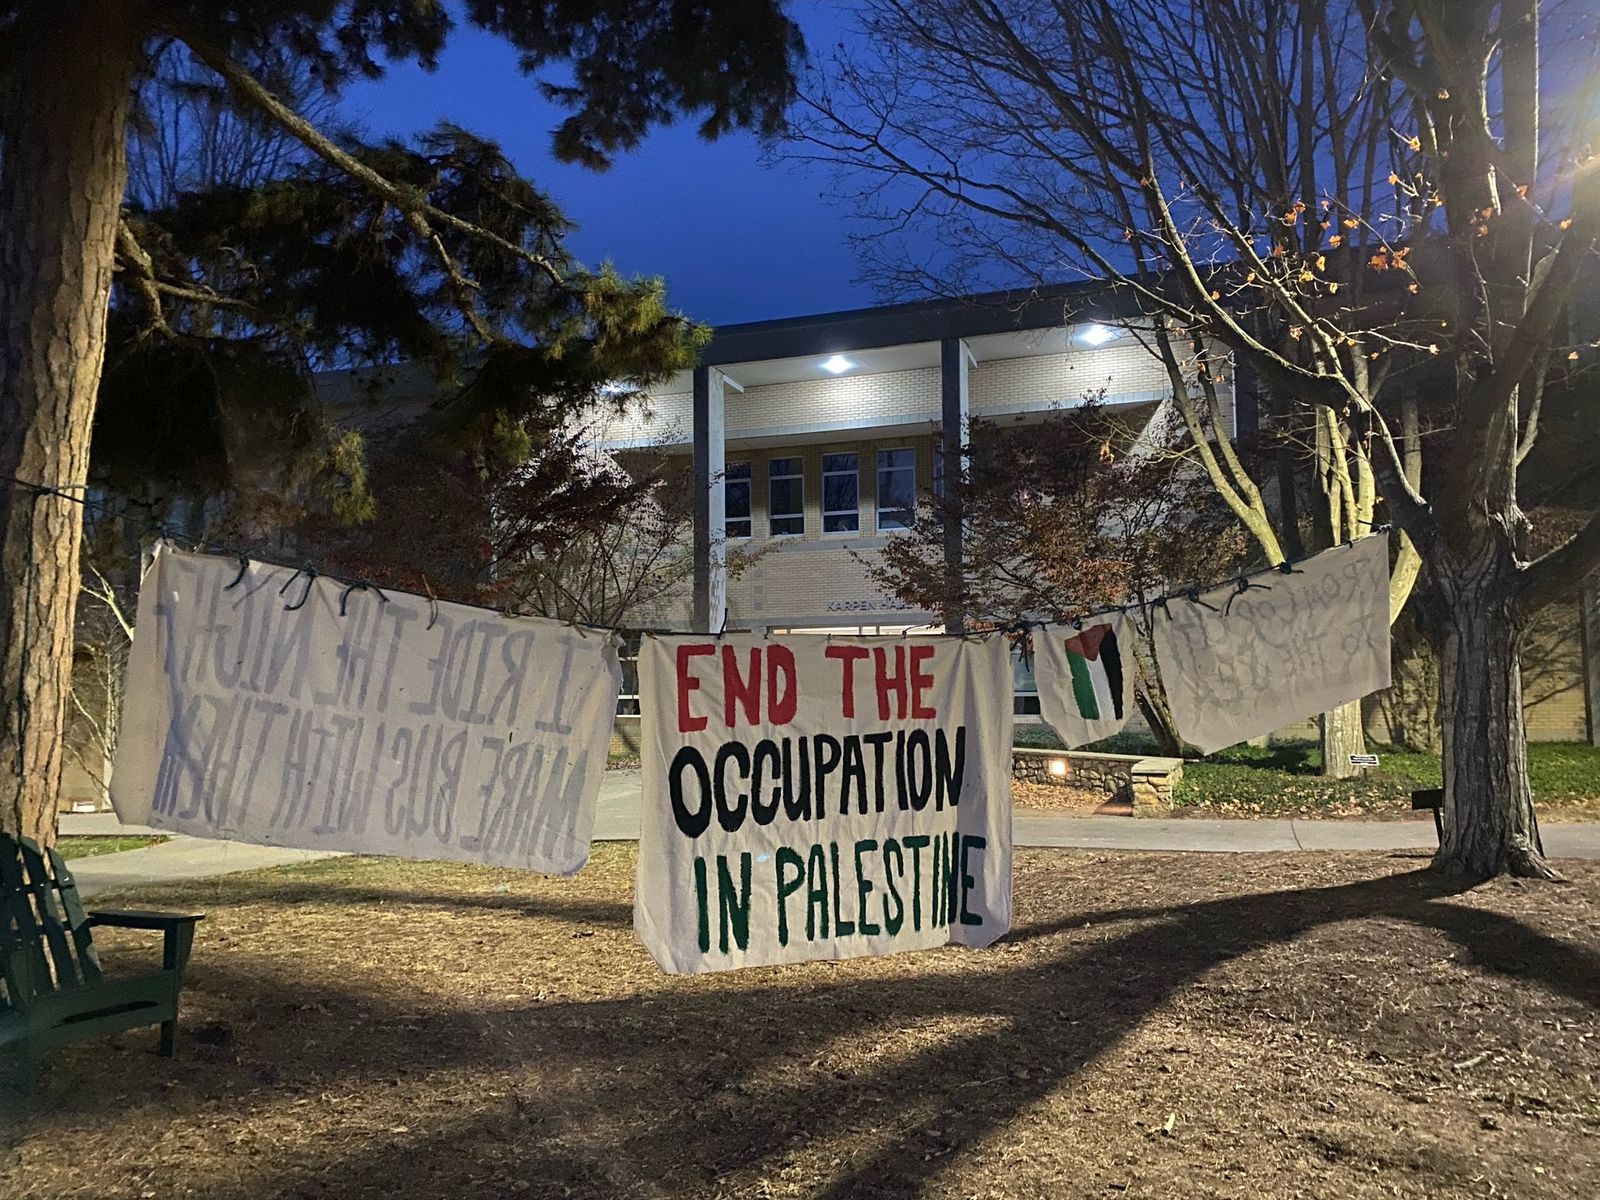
x: 267, y: 706
x: 1363, y: 760
x: 822, y: 797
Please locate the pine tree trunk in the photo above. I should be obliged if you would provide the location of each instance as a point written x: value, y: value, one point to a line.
x: 1343, y: 734
x: 1489, y: 824
x: 62, y: 123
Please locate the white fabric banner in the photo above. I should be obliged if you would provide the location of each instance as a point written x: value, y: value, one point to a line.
x: 1292, y: 646
x: 815, y: 797
x: 1084, y: 674
x: 377, y: 723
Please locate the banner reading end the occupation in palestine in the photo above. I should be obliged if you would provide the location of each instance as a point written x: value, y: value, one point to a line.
x: 822, y: 797
x: 263, y: 706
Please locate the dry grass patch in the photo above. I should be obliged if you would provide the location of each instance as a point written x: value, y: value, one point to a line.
x: 1157, y: 1025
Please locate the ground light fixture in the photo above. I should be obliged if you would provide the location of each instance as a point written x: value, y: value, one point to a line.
x: 837, y: 365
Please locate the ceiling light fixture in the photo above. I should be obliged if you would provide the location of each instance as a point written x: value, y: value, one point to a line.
x: 837, y: 365
x: 1098, y: 335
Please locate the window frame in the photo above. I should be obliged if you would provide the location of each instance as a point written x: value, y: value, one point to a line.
x: 729, y: 481
x: 1024, y: 685
x: 799, y: 514
x: 853, y: 513
x: 911, y: 511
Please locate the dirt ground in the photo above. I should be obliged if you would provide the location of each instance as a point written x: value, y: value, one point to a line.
x: 1155, y: 1026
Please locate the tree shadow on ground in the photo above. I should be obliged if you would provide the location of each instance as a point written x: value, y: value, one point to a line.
x: 577, y: 1084
x: 1293, y: 758
x: 267, y: 890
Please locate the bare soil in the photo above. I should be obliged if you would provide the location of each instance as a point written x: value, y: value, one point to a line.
x: 1155, y: 1026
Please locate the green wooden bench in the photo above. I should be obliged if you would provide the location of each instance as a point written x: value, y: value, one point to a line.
x: 54, y: 991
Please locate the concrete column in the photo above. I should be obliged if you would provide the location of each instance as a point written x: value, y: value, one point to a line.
x: 710, y: 502
x: 1246, y: 406
x: 955, y: 409
x: 1589, y: 621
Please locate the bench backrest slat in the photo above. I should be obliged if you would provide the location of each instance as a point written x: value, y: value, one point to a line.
x: 48, y: 910
x: 77, y: 919
x: 27, y: 973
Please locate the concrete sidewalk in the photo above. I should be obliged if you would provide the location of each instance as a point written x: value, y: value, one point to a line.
x: 617, y: 820
x: 174, y: 861
x: 183, y: 858
x: 1245, y: 836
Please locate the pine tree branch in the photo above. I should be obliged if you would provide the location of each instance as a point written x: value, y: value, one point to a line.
x: 406, y: 199
x: 142, y: 269
x: 136, y: 261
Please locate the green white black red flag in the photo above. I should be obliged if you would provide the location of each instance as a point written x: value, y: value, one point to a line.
x: 1085, y: 677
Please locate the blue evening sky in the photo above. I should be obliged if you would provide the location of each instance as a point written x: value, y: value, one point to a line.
x: 736, y: 240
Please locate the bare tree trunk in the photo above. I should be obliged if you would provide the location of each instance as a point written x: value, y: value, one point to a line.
x: 1151, y: 697
x: 62, y: 123
x: 1489, y: 824
x: 1153, y: 707
x: 1343, y: 734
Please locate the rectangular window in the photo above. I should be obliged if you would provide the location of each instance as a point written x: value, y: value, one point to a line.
x: 897, y: 488
x: 628, y: 691
x: 736, y: 500
x: 786, y: 496
x: 841, y: 494
x: 1024, y: 688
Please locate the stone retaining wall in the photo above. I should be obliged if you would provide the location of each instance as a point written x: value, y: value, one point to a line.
x: 1145, y: 782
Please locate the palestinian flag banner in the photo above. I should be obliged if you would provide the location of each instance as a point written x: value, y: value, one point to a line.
x: 1085, y: 677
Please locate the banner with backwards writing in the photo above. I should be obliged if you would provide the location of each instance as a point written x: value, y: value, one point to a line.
x: 1239, y: 664
x: 358, y: 720
x: 815, y: 797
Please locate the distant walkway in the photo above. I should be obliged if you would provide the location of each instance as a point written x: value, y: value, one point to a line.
x: 185, y: 858
x: 1246, y: 836
x: 618, y: 821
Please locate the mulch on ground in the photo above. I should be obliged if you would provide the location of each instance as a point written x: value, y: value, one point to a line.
x: 1061, y: 798
x: 1155, y: 1026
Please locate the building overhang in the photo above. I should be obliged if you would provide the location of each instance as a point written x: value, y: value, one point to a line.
x: 907, y: 337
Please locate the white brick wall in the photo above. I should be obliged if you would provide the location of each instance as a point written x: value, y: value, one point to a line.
x: 668, y: 417
x: 1126, y: 372
x: 849, y: 402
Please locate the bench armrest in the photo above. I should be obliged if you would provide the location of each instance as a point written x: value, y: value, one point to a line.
x: 131, y: 918
x: 177, y: 931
